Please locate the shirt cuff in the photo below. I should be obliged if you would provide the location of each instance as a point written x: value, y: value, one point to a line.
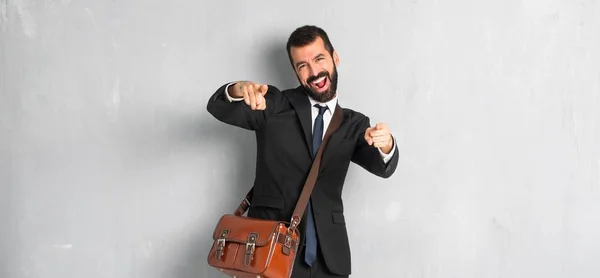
x: 228, y: 97
x: 387, y: 157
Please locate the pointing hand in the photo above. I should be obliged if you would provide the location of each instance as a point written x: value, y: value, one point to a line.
x: 379, y: 136
x: 253, y: 94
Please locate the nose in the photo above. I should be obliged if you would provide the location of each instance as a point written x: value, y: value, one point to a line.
x: 311, y: 70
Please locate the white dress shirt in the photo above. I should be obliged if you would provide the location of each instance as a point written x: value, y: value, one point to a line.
x: 326, y: 117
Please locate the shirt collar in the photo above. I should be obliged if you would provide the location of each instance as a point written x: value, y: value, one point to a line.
x: 330, y: 104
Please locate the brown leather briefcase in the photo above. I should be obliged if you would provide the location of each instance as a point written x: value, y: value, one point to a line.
x: 246, y: 247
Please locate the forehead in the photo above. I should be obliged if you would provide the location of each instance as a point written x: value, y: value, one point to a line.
x: 309, y: 51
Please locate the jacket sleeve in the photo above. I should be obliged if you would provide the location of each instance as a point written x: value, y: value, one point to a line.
x: 238, y: 113
x: 369, y: 157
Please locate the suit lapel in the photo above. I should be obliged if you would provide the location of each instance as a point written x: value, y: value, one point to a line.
x: 302, y: 106
x: 334, y: 141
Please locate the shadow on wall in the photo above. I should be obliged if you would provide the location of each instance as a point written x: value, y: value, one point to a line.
x: 279, y: 70
x: 193, y: 261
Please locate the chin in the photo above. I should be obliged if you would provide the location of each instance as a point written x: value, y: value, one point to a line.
x: 324, y: 96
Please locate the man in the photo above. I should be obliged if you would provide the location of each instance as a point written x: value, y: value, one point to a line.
x: 288, y: 126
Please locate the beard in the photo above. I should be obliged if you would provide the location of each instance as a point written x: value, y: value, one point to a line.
x: 326, y: 95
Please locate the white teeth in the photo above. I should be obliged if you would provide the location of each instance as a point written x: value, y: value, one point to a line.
x: 319, y: 80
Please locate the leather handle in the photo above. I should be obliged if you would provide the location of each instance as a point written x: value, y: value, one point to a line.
x: 309, y: 184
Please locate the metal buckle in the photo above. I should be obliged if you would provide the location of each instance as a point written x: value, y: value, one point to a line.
x: 221, y: 244
x: 287, y: 242
x: 293, y: 224
x: 250, y: 247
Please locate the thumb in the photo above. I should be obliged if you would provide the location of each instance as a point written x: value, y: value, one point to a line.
x: 378, y: 126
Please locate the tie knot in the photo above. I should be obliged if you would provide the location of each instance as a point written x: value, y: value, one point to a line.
x: 322, y: 109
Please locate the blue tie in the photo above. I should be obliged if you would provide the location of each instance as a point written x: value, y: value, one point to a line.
x: 310, y: 254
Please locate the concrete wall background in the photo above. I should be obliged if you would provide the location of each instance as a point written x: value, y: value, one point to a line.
x: 110, y: 165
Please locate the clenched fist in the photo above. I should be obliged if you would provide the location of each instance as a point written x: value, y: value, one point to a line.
x: 253, y: 94
x: 379, y: 136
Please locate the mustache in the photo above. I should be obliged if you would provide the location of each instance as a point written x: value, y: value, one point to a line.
x: 321, y: 74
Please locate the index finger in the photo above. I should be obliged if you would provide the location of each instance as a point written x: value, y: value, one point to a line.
x: 261, y: 88
x: 374, y: 133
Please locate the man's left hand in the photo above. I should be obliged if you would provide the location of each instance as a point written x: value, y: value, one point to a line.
x: 379, y: 136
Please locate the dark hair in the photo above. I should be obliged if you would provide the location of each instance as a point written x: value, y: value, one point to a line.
x: 306, y: 35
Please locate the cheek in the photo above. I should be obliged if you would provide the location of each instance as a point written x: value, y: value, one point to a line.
x: 302, y: 76
x: 326, y: 66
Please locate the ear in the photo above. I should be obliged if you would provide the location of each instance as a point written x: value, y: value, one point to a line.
x: 336, y: 58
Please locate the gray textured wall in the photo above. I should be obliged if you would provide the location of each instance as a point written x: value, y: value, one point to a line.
x: 110, y: 165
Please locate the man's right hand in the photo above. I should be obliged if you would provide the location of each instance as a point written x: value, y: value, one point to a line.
x: 253, y: 94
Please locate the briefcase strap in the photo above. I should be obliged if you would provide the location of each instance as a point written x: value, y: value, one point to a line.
x: 309, y: 184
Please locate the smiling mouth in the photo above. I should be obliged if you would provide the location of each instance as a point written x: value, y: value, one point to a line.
x: 320, y: 83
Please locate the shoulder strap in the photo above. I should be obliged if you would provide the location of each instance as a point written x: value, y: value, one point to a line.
x: 336, y: 120
x: 309, y: 184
